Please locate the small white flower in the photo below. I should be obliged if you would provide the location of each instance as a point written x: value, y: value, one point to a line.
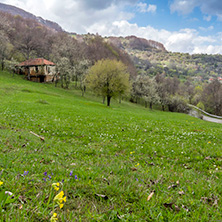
x: 9, y: 193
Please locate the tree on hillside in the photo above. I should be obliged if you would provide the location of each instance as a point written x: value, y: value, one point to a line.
x: 212, y: 97
x: 80, y: 70
x: 198, y: 91
x: 24, y: 37
x: 171, y: 85
x: 162, y: 90
x: 66, y: 46
x: 4, y: 49
x: 5, y: 23
x: 69, y: 50
x: 98, y: 49
x: 146, y: 88
x: 108, y: 78
x: 176, y: 103
x: 45, y: 40
x: 64, y: 69
x: 151, y: 96
x: 188, y: 90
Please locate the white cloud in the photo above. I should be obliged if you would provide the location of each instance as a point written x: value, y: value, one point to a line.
x: 152, y: 8
x: 183, y: 6
x: 208, y: 7
x: 76, y: 15
x: 219, y: 17
x: 143, y: 8
x: 210, y: 49
x: 210, y: 28
x: 207, y: 18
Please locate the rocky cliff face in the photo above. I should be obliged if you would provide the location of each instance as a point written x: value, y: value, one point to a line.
x: 135, y: 43
x: 17, y: 11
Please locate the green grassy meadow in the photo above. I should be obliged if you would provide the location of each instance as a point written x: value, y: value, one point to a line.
x: 123, y: 163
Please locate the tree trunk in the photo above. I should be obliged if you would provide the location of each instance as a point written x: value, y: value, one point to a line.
x: 151, y: 105
x: 83, y: 88
x: 163, y: 108
x: 28, y: 73
x: 108, y: 100
x: 2, y: 64
x: 190, y: 100
x: 27, y: 56
x: 67, y: 81
x: 104, y: 99
x: 76, y: 82
x: 62, y: 81
x: 120, y: 99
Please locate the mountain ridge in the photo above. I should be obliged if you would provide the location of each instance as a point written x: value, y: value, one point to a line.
x: 13, y: 10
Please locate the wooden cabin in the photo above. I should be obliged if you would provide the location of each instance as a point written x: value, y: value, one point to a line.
x: 38, y: 70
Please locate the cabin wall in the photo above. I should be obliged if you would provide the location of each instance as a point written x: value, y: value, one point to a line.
x: 35, y: 79
x: 44, y: 73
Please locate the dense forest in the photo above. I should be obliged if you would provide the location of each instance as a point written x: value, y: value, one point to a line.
x: 167, y: 80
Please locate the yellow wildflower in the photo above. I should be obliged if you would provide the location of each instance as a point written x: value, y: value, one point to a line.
x: 1, y: 183
x: 61, y: 206
x: 64, y: 199
x: 54, y: 218
x: 132, y: 152
x: 137, y: 164
x: 209, y: 142
x: 56, y: 186
x: 59, y: 199
x: 59, y: 196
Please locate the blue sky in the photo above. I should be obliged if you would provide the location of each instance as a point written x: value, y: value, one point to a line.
x: 164, y: 17
x: 191, y: 26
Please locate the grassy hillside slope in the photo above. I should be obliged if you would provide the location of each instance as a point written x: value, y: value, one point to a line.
x: 120, y: 163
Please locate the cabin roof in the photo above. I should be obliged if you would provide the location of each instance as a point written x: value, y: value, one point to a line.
x: 36, y: 62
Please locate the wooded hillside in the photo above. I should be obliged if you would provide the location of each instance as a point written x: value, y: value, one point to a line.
x: 157, y: 76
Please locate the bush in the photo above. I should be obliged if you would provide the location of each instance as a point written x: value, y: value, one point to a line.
x: 177, y: 104
x: 201, y: 105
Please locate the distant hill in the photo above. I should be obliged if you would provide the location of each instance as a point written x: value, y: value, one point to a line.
x: 130, y: 43
x: 151, y: 58
x: 143, y: 56
x: 17, y: 11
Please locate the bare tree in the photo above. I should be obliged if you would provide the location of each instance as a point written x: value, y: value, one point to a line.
x: 162, y: 90
x: 212, y: 97
x: 187, y: 90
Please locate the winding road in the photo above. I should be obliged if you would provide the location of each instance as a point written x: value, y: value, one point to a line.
x: 209, y: 117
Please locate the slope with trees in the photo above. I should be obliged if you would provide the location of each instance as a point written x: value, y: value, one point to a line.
x: 151, y: 58
x: 158, y: 77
